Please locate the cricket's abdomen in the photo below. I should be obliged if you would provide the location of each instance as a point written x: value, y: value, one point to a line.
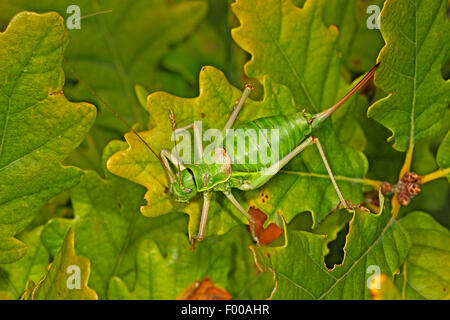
x: 260, y: 148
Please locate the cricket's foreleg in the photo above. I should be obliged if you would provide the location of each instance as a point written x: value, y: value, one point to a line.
x: 166, y: 154
x: 166, y: 164
x: 251, y: 220
x: 204, y: 217
x: 197, y: 137
x: 237, y: 109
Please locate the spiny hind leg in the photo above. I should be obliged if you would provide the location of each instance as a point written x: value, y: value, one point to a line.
x: 273, y: 169
x: 251, y: 220
x: 238, y: 107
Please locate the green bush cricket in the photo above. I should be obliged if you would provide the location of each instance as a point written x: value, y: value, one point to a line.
x: 220, y: 174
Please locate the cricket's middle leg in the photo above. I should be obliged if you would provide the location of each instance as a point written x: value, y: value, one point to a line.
x: 204, y: 217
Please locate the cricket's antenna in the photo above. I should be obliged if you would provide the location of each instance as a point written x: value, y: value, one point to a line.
x: 174, y: 127
x: 95, y: 14
x: 326, y: 113
x: 111, y: 109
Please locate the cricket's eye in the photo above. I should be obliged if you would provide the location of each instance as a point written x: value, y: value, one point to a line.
x: 188, y: 190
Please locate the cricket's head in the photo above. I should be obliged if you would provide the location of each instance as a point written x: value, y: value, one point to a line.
x: 213, y: 171
x: 186, y: 190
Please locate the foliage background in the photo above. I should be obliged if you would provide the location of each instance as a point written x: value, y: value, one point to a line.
x: 143, y: 47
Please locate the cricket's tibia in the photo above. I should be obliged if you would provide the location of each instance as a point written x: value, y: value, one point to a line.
x: 320, y: 117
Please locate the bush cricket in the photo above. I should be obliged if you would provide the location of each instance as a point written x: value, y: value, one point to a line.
x: 221, y: 174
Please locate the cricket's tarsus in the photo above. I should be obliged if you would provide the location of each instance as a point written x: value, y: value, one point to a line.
x: 225, y: 175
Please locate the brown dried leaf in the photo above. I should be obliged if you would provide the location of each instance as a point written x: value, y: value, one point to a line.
x: 205, y: 290
x: 265, y: 235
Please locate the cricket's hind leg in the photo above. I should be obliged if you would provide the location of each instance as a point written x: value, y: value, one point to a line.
x: 273, y: 169
x: 344, y: 202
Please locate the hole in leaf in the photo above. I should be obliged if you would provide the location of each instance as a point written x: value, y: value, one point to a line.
x: 336, y: 248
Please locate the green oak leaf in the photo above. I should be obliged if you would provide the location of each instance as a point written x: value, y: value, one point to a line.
x: 425, y: 272
x: 373, y: 240
x: 384, y: 161
x: 366, y: 43
x: 57, y: 207
x: 14, y: 276
x: 417, y: 36
x: 39, y: 127
x: 425, y: 158
x: 245, y: 280
x: 108, y: 224
x: 120, y: 44
x: 307, y: 64
x: 443, y: 155
x: 342, y: 14
x: 205, y: 47
x: 225, y: 260
x: 168, y: 275
x: 6, y: 296
x: 56, y: 284
x: 211, y: 44
x: 352, y: 135
x: 358, y: 44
